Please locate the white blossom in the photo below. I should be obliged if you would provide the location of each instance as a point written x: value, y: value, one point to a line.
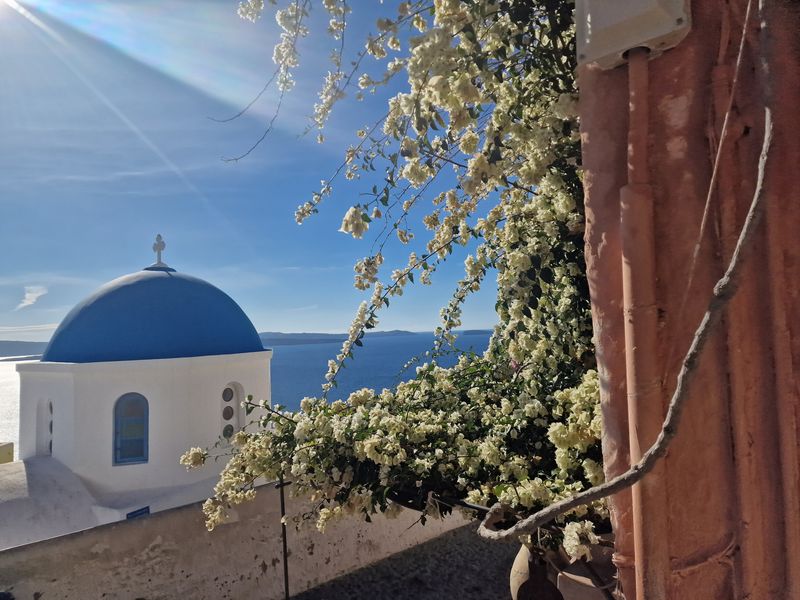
x: 354, y: 223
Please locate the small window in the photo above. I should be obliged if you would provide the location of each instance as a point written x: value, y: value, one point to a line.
x: 231, y: 409
x: 130, y: 429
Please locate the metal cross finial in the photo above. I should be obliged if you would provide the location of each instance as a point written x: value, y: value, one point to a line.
x: 158, y: 248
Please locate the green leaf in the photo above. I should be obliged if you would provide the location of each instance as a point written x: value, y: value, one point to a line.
x: 499, y: 489
x: 469, y: 33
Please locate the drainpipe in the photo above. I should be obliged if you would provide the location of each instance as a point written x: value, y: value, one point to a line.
x: 642, y: 357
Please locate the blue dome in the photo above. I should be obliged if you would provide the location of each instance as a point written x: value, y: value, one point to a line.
x: 155, y: 313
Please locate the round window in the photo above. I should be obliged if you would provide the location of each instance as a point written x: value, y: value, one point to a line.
x: 227, y: 432
x: 227, y: 394
x: 227, y: 413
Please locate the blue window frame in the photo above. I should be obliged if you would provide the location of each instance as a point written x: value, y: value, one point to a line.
x: 130, y: 429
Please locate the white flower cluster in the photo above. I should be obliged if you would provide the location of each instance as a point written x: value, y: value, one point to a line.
x: 475, y: 431
x: 285, y: 55
x: 193, y: 458
x: 367, y: 271
x: 251, y: 9
x: 355, y: 222
x: 338, y: 11
x: 328, y: 96
x: 578, y: 535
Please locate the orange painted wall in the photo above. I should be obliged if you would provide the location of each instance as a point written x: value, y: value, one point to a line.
x: 731, y: 476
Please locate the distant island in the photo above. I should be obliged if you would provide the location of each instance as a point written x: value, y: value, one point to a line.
x: 276, y: 338
x: 268, y: 338
x: 15, y: 348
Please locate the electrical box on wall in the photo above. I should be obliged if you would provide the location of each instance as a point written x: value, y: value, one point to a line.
x: 606, y: 29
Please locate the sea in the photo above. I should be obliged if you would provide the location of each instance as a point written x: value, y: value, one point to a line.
x: 299, y: 370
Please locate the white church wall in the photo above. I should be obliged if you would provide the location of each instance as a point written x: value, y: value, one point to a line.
x: 41, y: 388
x: 184, y: 410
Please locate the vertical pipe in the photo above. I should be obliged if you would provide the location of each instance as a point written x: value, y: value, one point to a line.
x: 645, y: 397
x: 638, y: 116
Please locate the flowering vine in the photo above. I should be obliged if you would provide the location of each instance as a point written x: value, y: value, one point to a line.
x: 485, y: 142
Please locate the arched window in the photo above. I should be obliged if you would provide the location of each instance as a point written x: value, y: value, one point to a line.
x: 44, y: 427
x: 130, y: 429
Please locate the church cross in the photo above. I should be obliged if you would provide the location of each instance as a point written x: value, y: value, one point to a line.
x: 158, y: 248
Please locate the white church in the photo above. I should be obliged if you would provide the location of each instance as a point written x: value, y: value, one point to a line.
x: 149, y: 365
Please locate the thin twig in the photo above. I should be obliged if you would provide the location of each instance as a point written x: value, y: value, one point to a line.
x: 723, y: 291
x: 265, y: 133
x: 250, y: 104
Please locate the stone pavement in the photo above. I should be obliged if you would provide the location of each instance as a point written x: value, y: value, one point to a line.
x: 459, y: 565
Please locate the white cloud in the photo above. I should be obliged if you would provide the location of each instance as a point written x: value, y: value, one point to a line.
x: 303, y: 308
x: 32, y: 294
x: 28, y: 328
x: 49, y: 278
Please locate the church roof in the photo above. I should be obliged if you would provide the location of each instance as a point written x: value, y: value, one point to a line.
x: 153, y: 314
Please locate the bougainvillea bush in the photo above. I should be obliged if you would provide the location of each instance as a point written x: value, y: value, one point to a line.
x: 484, y: 145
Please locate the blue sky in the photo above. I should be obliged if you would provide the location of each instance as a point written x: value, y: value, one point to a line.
x: 105, y: 140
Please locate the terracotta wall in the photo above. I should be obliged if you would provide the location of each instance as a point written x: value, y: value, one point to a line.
x: 171, y: 555
x: 730, y: 480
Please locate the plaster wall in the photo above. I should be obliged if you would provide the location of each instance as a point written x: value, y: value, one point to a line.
x: 171, y: 555
x: 184, y: 410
